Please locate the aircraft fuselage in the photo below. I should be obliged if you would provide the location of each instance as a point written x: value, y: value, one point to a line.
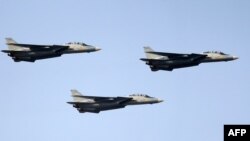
x: 165, y: 63
x: 32, y: 52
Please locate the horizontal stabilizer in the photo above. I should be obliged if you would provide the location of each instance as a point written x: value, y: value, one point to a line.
x: 12, y: 51
x: 72, y: 102
x: 158, y: 60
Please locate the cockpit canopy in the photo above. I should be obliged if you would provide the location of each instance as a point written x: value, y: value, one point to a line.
x: 217, y: 52
x: 77, y: 43
x: 144, y: 95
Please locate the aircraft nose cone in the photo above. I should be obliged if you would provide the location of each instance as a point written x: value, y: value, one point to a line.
x: 235, y: 57
x: 160, y: 100
x: 97, y: 49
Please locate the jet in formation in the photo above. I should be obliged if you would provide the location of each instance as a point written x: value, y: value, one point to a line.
x: 32, y: 52
x: 95, y: 104
x: 169, y: 61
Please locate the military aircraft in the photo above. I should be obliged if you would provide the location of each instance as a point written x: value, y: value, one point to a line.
x: 95, y: 104
x: 169, y: 61
x: 31, y: 52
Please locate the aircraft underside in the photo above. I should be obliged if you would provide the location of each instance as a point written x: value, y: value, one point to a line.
x: 96, y: 108
x: 33, y: 56
x: 171, y: 66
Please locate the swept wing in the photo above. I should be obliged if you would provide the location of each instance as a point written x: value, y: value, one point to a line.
x: 42, y: 47
x: 173, y: 56
x: 107, y: 99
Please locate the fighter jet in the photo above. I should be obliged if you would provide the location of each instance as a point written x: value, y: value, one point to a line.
x: 95, y: 104
x: 169, y: 61
x: 31, y: 52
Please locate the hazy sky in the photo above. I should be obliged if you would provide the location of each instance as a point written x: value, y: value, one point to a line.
x: 198, y: 100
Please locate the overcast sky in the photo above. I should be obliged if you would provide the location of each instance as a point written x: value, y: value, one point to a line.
x: 198, y: 100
